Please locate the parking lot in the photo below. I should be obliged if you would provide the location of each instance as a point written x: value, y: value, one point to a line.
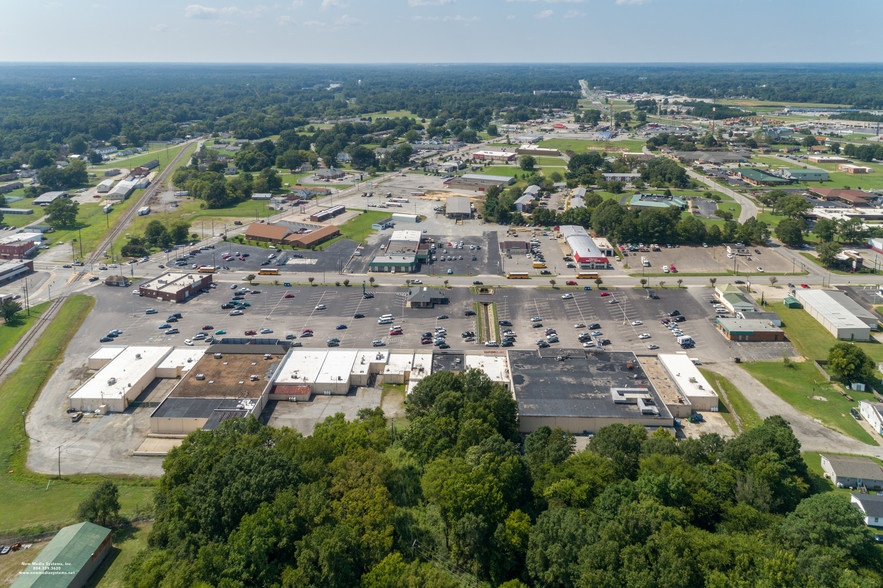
x: 552, y: 252
x: 711, y: 259
x: 330, y: 261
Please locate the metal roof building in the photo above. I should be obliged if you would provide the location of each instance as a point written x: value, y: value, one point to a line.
x: 585, y: 251
x: 48, y: 198
x: 458, y: 207
x: 69, y: 559
x: 121, y: 380
x: 689, y: 381
x: 830, y: 311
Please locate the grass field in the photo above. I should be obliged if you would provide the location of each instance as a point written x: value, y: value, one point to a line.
x: 92, y: 224
x: 164, y: 156
x: 503, y: 170
x: 543, y: 161
x: 9, y: 334
x: 358, y: 228
x: 803, y: 387
x: 580, y: 145
x: 34, y: 501
x: 811, y: 339
x: 392, y: 114
x: 127, y: 542
x: 735, y: 401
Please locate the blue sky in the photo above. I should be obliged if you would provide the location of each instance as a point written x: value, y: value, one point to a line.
x: 422, y: 31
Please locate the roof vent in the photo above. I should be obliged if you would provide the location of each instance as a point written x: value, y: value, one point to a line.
x: 111, y: 381
x: 218, y: 356
x: 242, y: 381
x: 267, y: 356
x: 253, y: 377
x: 137, y: 356
x: 200, y: 377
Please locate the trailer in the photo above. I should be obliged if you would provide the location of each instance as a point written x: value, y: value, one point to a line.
x: 144, y: 211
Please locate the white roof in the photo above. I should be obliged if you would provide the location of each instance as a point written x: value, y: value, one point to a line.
x: 49, y: 197
x: 524, y: 199
x: 182, y: 357
x: 18, y: 237
x: 301, y: 366
x: 488, y: 153
x: 365, y: 358
x: 579, y: 242
x: 489, y: 178
x: 831, y: 309
x: 404, y: 235
x: 495, y: 365
x: 421, y: 367
x: 337, y: 366
x: 114, y: 380
x: 107, y: 352
x: 686, y: 375
x: 399, y: 362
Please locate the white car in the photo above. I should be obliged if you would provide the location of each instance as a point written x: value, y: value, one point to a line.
x: 188, y: 342
x: 588, y: 344
x: 637, y: 323
x: 320, y: 307
x: 566, y: 296
x: 264, y: 331
x: 416, y: 281
x: 760, y: 269
x: 644, y: 336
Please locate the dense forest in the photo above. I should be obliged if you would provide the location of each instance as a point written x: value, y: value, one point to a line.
x: 57, y: 108
x: 458, y: 497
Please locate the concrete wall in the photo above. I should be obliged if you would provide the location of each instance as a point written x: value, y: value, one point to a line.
x: 576, y: 425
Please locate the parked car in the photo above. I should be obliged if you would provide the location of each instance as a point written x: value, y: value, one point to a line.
x: 570, y: 283
x: 251, y: 332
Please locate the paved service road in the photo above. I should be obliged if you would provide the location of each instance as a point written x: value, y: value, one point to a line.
x: 749, y: 209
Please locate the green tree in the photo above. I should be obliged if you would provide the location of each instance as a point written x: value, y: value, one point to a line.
x: 250, y: 278
x: 9, y: 310
x: 790, y: 232
x: 809, y: 141
x: 850, y: 363
x: 527, y: 163
x: 825, y: 229
x: 179, y: 231
x: 157, y: 235
x: 828, y: 520
x: 102, y: 506
x: 62, y: 213
x: 827, y: 253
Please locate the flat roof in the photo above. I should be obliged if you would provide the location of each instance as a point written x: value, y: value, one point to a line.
x: 173, y: 281
x: 182, y: 357
x: 485, y: 178
x: 301, y: 366
x: 107, y: 352
x: 458, y: 205
x: 830, y: 307
x: 114, y: 379
x: 337, y: 367
x: 421, y: 366
x: 228, y: 376
x: 399, y: 362
x: 199, y: 408
x: 17, y: 237
x: 405, y: 235
x: 738, y: 325
x: 686, y: 375
x: 582, y: 385
x: 495, y: 365
x: 580, y: 243
x: 366, y: 357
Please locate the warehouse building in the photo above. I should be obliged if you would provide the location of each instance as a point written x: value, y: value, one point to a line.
x: 734, y: 299
x: 232, y: 379
x: 70, y: 559
x: 528, y: 149
x: 657, y: 201
x: 48, y: 198
x: 175, y: 286
x: 478, y: 182
x: 582, y: 392
x: 122, y: 190
x: 16, y: 211
x: 385, y: 223
x: 458, y: 207
x: 120, y: 381
x: 327, y: 214
x: 13, y: 270
x: 852, y: 472
x: 499, y: 156
x: 583, y: 248
x: 841, y: 316
x: 806, y: 175
x: 20, y: 245
x: 690, y: 382
x: 524, y: 203
x: 751, y: 329
x: 106, y: 186
x: 403, y: 253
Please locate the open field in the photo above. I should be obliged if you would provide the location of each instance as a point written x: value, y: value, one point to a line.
x: 581, y: 145
x: 803, y: 387
x: 9, y: 334
x: 91, y: 229
x: 358, y: 228
x: 33, y: 501
x: 164, y: 156
x: 127, y: 542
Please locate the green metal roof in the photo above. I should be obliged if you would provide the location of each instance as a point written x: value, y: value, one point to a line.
x: 762, y: 176
x: 60, y: 561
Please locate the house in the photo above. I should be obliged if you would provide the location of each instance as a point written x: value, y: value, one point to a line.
x: 852, y: 472
x: 873, y: 413
x: 871, y: 506
x: 330, y: 174
x: 120, y: 281
x: 384, y: 223
x: 423, y: 297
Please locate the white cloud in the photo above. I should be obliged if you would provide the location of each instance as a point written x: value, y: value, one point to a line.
x: 326, y: 4
x: 341, y: 22
x: 544, y: 14
x: 413, y: 3
x: 633, y: 2
x: 209, y: 12
x: 456, y: 18
x: 283, y: 20
x: 297, y: 3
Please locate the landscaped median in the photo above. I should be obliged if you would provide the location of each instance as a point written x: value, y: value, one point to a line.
x: 33, y: 502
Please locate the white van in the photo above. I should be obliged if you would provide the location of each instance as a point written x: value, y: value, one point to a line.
x: 384, y: 320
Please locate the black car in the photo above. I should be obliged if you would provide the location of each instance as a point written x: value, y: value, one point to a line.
x: 94, y: 279
x: 594, y: 326
x: 675, y: 313
x: 106, y: 340
x: 358, y: 315
x: 469, y: 313
x: 604, y: 342
x: 227, y: 305
x: 505, y: 323
x: 477, y: 283
x: 680, y: 318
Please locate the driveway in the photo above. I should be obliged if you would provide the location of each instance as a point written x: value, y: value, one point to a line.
x: 749, y: 209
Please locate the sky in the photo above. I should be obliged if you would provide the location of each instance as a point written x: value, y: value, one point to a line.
x: 440, y: 31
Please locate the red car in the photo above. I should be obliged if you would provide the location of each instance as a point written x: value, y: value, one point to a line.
x: 570, y: 283
x: 804, y: 286
x: 250, y: 332
x: 308, y: 330
x: 395, y: 332
x: 605, y: 294
x: 289, y: 296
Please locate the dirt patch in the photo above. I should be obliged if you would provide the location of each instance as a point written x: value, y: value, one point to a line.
x: 822, y: 398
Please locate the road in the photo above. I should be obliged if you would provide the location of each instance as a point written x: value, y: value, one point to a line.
x: 749, y: 208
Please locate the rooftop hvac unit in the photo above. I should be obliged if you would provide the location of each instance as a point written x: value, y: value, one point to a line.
x: 253, y: 377
x: 200, y: 377
x: 268, y: 356
x: 241, y: 382
x: 692, y: 380
x: 211, y: 381
x: 137, y: 356
x: 111, y: 381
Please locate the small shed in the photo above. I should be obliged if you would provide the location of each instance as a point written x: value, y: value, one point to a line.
x: 791, y: 302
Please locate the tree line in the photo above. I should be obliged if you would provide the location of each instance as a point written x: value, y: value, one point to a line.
x: 458, y: 496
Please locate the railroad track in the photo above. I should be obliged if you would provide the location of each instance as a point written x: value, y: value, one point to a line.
x: 122, y: 223
x: 29, y: 336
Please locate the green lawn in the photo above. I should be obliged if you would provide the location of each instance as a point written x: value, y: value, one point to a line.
x: 730, y: 206
x: 811, y: 339
x: 580, y: 145
x: 127, y: 542
x: 29, y: 503
x: 358, y: 228
x: 92, y: 224
x: 164, y: 156
x: 802, y: 386
x: 392, y: 114
x: 736, y: 402
x: 543, y: 161
x: 502, y: 170
x: 9, y: 334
